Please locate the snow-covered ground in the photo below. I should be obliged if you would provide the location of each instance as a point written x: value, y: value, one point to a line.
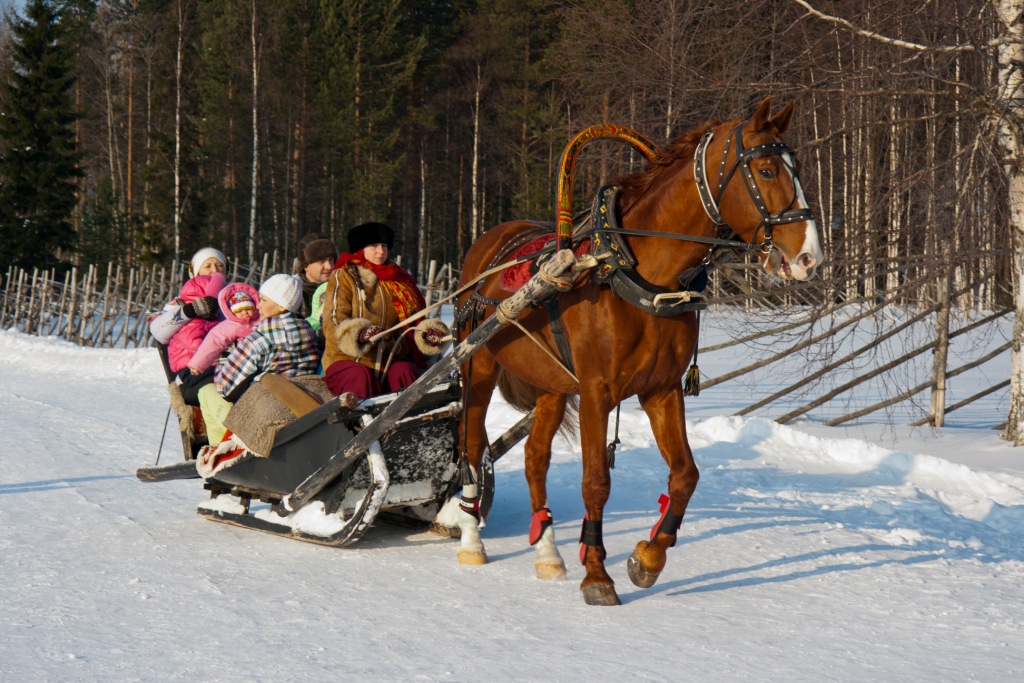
x: 868, y: 552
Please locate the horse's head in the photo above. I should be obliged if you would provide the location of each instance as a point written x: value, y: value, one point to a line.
x: 748, y: 181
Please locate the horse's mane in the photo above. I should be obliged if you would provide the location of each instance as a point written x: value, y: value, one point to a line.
x: 635, y: 185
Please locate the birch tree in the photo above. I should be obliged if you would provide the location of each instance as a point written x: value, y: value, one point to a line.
x: 254, y: 190
x: 181, y: 22
x: 1006, y: 103
x: 1010, y: 118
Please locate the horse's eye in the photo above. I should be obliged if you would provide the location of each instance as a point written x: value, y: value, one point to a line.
x: 767, y: 173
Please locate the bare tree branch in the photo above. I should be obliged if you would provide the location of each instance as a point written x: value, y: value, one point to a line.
x: 895, y: 41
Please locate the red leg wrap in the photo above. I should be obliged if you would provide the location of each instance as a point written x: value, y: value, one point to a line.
x: 668, y: 523
x: 540, y: 521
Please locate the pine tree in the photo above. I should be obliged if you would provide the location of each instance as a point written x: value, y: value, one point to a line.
x: 364, y: 98
x: 38, y: 152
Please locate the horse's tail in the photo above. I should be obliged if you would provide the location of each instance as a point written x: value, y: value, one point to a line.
x: 522, y: 396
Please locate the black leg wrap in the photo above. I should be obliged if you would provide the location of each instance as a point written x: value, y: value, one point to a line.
x: 471, y: 506
x: 670, y: 524
x: 590, y: 536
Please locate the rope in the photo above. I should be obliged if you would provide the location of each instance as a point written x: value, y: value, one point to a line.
x: 428, y: 309
x: 545, y: 350
x: 610, y: 451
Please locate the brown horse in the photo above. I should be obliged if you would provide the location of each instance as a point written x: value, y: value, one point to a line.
x: 619, y: 350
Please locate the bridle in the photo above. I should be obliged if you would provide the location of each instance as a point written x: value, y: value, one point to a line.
x: 742, y: 162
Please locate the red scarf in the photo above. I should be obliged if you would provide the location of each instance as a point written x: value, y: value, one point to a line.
x: 405, y: 295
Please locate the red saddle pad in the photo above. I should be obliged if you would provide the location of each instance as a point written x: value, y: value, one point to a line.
x: 516, y: 276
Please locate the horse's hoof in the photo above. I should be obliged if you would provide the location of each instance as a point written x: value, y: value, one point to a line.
x: 445, y: 530
x: 550, y: 571
x: 470, y: 556
x: 638, y: 575
x: 602, y: 595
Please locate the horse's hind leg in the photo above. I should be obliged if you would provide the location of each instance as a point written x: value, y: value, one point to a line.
x: 665, y: 411
x: 479, y: 379
x: 550, y: 409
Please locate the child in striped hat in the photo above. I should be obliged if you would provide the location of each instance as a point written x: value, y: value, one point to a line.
x: 238, y: 305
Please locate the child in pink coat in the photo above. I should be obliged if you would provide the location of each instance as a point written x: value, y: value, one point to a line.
x: 186, y: 340
x: 238, y: 304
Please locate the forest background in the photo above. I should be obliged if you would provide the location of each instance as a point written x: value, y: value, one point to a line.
x: 248, y: 123
x: 135, y: 131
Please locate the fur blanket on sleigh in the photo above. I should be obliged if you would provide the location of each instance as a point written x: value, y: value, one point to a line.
x: 267, y: 405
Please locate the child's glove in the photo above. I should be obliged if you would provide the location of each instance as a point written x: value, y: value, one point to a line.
x: 434, y: 337
x: 203, y: 307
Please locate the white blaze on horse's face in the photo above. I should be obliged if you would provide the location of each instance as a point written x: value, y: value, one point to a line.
x: 809, y: 256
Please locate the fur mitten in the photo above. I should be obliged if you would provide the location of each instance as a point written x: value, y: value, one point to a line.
x: 432, y: 336
x: 348, y: 337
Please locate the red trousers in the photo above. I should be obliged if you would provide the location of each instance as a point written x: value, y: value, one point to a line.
x: 348, y: 375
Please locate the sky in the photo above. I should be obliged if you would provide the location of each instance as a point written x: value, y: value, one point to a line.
x: 872, y: 551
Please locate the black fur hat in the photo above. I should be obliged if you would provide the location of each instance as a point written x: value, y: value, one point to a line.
x: 366, y: 234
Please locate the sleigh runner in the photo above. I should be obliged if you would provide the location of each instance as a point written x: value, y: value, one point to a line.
x: 331, y: 472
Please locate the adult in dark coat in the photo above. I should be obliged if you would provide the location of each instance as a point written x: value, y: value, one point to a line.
x: 314, y: 261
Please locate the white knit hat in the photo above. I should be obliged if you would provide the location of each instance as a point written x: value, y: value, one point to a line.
x: 284, y: 290
x: 199, y: 258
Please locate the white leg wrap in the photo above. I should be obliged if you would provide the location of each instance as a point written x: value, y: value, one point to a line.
x: 470, y: 532
x: 548, y: 563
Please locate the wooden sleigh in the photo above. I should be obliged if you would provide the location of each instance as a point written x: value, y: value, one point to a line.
x: 335, y: 470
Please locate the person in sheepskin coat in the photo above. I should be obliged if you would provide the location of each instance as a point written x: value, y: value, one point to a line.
x: 367, y: 294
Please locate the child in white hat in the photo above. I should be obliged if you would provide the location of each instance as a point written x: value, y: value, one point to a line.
x: 282, y: 343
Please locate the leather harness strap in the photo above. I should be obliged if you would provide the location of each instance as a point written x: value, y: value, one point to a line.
x: 558, y: 332
x: 618, y: 267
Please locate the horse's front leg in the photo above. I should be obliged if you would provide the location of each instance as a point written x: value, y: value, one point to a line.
x: 550, y: 410
x: 480, y: 377
x: 665, y: 410
x: 597, y: 586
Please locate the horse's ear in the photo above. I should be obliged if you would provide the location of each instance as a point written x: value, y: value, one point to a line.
x: 782, y: 119
x: 760, y: 117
